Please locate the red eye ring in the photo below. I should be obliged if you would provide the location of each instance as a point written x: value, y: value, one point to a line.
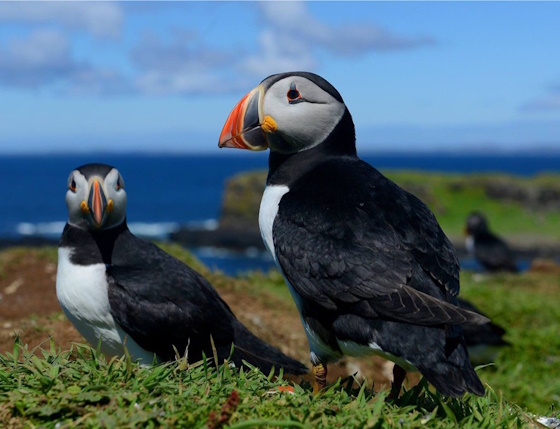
x: 72, y: 186
x: 293, y: 95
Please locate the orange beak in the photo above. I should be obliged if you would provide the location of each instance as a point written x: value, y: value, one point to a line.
x: 243, y: 125
x: 97, y: 202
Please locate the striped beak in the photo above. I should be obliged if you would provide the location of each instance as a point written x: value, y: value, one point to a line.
x: 243, y: 128
x: 97, y: 202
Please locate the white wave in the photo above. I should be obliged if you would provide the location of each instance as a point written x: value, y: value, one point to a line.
x: 153, y: 230
x: 42, y: 229
x: 158, y: 230
x: 208, y: 224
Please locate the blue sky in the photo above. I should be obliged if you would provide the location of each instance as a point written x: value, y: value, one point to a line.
x: 141, y: 76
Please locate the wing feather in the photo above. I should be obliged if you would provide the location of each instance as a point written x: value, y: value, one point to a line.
x: 160, y: 302
x: 345, y: 243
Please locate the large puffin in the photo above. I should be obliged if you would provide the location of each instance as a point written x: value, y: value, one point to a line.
x: 366, y: 262
x: 121, y: 291
x: 488, y: 249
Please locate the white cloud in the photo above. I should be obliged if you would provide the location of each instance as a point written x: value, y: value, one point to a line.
x: 40, y: 58
x: 43, y: 58
x: 288, y: 37
x: 292, y: 36
x: 550, y: 101
x: 102, y: 19
x: 182, y: 65
x: 293, y: 19
x: 277, y: 52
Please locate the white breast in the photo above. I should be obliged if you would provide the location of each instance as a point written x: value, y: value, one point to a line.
x: 267, y: 213
x: 469, y: 244
x: 82, y: 294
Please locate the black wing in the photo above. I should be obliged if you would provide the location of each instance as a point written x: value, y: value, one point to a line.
x: 160, y: 302
x: 349, y: 239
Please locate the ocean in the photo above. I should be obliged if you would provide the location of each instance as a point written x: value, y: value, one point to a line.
x: 166, y: 191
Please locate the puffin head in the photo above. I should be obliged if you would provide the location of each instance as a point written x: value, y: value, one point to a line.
x: 476, y: 224
x: 96, y: 198
x: 287, y: 112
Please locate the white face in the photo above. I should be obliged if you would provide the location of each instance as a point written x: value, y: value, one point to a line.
x: 78, y: 195
x: 304, y: 113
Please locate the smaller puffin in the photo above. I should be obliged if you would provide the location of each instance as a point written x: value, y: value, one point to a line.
x: 120, y: 291
x: 483, y: 341
x: 367, y: 264
x: 488, y: 249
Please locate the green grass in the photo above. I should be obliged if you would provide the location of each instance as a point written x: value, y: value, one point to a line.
x: 528, y: 306
x: 453, y: 196
x: 81, y: 388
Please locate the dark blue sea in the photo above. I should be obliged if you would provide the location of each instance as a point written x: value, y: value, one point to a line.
x: 166, y: 191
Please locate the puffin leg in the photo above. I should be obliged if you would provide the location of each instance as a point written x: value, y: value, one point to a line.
x: 319, y: 377
x: 399, y: 375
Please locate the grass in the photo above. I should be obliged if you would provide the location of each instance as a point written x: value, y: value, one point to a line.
x: 528, y: 306
x: 81, y: 388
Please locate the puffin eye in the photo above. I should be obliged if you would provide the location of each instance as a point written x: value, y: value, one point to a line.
x: 120, y: 183
x: 294, y: 96
x: 72, y: 186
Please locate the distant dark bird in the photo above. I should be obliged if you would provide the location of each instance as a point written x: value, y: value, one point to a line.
x: 483, y: 341
x: 488, y: 249
x: 122, y: 291
x: 366, y: 262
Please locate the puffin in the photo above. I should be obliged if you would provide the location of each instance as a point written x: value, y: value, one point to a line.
x: 487, y: 248
x: 369, y: 268
x: 121, y: 292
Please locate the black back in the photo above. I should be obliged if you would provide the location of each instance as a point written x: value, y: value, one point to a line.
x: 164, y: 304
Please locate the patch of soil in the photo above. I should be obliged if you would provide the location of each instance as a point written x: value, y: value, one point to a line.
x: 29, y: 309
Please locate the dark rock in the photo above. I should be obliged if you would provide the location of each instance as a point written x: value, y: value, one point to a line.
x: 238, y: 226
x: 532, y: 196
x: 27, y: 242
x: 233, y: 238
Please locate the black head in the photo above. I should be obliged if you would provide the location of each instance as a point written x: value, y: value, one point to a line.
x: 476, y: 224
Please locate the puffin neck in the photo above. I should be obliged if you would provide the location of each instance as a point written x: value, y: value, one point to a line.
x: 106, y: 240
x: 94, y: 247
x: 285, y: 168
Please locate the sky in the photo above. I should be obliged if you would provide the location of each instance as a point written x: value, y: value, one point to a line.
x: 153, y: 77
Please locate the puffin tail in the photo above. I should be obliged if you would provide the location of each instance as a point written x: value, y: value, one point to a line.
x: 454, y: 381
x: 453, y: 374
x: 249, y: 348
